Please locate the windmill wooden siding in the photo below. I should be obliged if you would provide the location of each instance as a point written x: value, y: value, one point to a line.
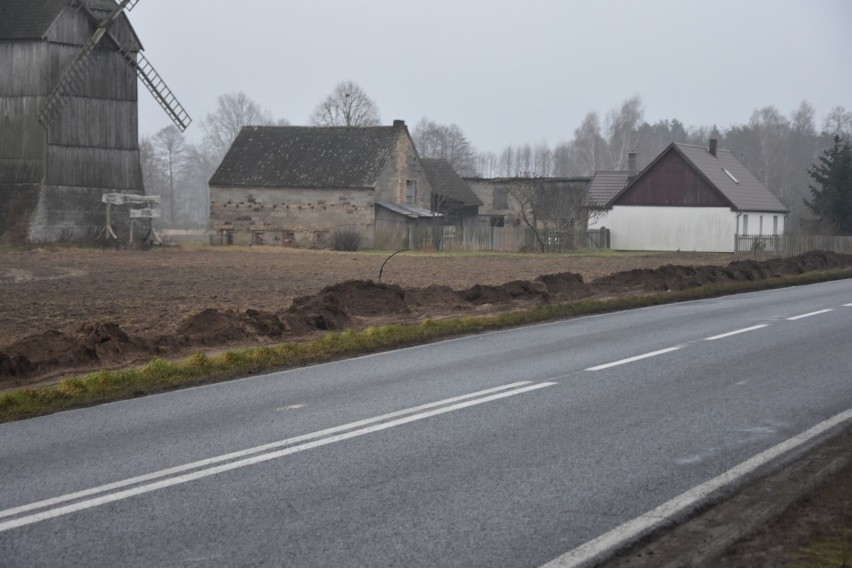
x: 52, y: 179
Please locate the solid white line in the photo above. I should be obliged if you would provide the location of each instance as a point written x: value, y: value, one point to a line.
x: 194, y: 476
x: 633, y: 530
x: 803, y: 316
x: 247, y: 452
x: 633, y: 359
x: 739, y: 331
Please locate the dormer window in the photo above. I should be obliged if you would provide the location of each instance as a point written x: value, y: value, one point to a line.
x: 730, y: 175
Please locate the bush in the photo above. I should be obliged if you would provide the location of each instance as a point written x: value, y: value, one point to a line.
x: 346, y: 240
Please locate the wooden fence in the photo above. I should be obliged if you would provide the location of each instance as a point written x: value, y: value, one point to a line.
x: 792, y: 244
x: 484, y: 237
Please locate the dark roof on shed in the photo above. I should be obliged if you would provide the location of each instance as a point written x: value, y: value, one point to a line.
x: 747, y: 193
x: 743, y: 191
x: 31, y: 19
x: 306, y: 157
x: 604, y: 187
x: 445, y: 181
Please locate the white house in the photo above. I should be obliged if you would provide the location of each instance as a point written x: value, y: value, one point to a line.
x: 689, y: 198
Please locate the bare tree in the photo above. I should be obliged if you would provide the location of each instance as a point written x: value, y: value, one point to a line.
x: 547, y: 210
x: 347, y: 105
x: 233, y: 111
x: 589, y: 147
x: 838, y: 122
x: 442, y: 142
x: 170, y: 151
x: 622, y: 128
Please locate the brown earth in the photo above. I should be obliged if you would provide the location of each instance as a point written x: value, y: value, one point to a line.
x: 66, y: 311
x: 56, y: 303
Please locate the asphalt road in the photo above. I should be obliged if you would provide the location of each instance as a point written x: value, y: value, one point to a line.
x: 505, y: 449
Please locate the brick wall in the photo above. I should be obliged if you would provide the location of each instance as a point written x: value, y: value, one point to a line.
x: 293, y: 217
x: 403, y: 166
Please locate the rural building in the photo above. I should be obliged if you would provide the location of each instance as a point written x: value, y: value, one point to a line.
x: 690, y: 198
x: 557, y: 199
x: 296, y: 185
x: 53, y: 173
x: 452, y: 196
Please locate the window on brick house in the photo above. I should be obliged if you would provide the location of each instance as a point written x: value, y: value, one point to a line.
x: 410, y: 191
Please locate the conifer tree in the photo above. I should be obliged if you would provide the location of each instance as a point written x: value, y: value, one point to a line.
x: 831, y: 190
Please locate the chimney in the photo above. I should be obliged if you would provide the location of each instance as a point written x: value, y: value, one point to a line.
x: 397, y: 124
x: 714, y: 144
x: 631, y: 162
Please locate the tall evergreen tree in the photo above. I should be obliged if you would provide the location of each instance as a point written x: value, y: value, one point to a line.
x: 831, y: 192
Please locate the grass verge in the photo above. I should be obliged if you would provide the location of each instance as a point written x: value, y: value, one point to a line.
x: 160, y: 375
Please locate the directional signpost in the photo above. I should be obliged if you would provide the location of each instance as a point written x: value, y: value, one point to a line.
x: 122, y: 199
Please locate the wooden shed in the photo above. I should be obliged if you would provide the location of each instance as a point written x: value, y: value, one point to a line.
x: 52, y: 175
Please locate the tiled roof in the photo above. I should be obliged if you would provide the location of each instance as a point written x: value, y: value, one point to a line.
x: 31, y: 19
x: 604, y: 187
x: 747, y: 193
x: 446, y: 182
x: 306, y: 157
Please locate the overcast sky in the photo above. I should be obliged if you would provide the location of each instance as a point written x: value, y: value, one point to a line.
x: 506, y: 71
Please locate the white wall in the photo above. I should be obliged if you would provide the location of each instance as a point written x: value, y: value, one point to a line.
x: 701, y: 229
x: 760, y: 223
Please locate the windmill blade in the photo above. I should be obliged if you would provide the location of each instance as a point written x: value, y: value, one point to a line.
x: 76, y: 72
x: 158, y: 88
x: 131, y: 4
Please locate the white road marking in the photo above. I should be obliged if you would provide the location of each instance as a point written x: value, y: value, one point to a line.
x: 194, y: 476
x: 737, y: 332
x: 803, y: 316
x: 847, y: 305
x: 634, y: 359
x: 635, y: 529
x: 248, y: 452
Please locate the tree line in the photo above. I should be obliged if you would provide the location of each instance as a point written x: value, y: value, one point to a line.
x: 778, y: 149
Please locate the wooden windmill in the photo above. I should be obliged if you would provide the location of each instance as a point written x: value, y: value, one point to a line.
x: 69, y: 115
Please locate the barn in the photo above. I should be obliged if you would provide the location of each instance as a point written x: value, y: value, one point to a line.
x: 68, y: 116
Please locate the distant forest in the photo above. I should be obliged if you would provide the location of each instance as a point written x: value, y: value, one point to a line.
x: 777, y: 148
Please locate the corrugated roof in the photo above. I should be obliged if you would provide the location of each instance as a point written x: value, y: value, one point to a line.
x: 445, y: 181
x: 306, y: 157
x: 747, y: 193
x: 409, y: 211
x: 31, y: 19
x: 604, y: 187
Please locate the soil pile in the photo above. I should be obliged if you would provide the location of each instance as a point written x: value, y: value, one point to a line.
x: 357, y: 303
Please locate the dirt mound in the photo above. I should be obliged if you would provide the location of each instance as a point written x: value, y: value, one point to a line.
x: 682, y: 277
x: 516, y: 290
x: 435, y: 297
x: 338, y: 307
x: 565, y: 286
x: 665, y: 278
x: 214, y: 327
x: 15, y: 366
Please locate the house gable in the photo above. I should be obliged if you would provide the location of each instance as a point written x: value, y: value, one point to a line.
x: 672, y: 181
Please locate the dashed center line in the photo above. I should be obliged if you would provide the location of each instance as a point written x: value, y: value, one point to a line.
x: 847, y: 305
x: 737, y: 332
x: 803, y: 316
x: 634, y: 359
